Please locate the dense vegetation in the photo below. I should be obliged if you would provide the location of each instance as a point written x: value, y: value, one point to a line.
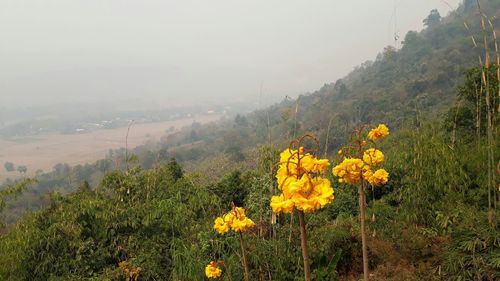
x: 436, y: 219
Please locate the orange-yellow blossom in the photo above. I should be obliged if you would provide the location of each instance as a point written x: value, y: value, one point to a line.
x: 379, y: 132
x: 300, y: 183
x: 349, y: 170
x: 235, y: 220
x: 373, y: 156
x: 379, y: 177
x: 212, y: 270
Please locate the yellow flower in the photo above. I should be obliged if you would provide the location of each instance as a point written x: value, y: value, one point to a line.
x: 283, y: 176
x: 221, y: 226
x: 349, y: 170
x: 281, y: 205
x: 321, y: 165
x: 367, y: 172
x: 301, y: 185
x: 310, y: 164
x: 320, y: 194
x: 379, y: 132
x: 340, y: 152
x: 298, y: 186
x: 235, y: 220
x: 304, y: 204
x: 288, y: 154
x: 242, y: 224
x: 291, y: 159
x: 239, y: 212
x: 380, y: 177
x: 212, y: 270
x: 229, y: 217
x: 373, y: 156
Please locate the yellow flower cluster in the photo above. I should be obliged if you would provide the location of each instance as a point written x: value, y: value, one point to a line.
x: 212, y: 270
x: 352, y: 170
x: 132, y: 272
x: 380, y: 177
x: 379, y: 132
x: 373, y: 156
x: 235, y: 220
x: 300, y: 184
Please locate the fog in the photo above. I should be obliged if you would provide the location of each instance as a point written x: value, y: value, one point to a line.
x: 188, y: 52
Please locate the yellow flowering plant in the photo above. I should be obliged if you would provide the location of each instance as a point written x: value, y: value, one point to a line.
x: 131, y: 271
x: 237, y: 221
x: 360, y: 165
x: 212, y: 270
x: 379, y: 132
x: 302, y: 186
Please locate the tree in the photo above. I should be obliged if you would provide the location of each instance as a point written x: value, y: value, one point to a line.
x: 410, y: 38
x: 232, y: 188
x: 341, y: 88
x: 175, y: 169
x: 432, y: 19
x: 12, y: 192
x: 61, y: 169
x: 471, y: 111
x: 9, y: 166
x: 84, y: 187
x: 103, y: 165
x: 22, y: 169
x: 241, y: 120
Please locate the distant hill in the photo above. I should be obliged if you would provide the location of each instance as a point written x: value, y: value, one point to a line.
x: 422, y: 76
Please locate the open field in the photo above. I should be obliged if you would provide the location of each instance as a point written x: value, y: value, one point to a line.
x: 44, y: 151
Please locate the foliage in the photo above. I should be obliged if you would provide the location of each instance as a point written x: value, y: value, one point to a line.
x: 154, y: 220
x: 133, y: 217
x: 11, y: 192
x: 432, y: 19
x: 9, y: 166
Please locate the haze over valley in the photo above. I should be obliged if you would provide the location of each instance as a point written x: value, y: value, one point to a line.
x: 250, y: 140
x: 158, y: 61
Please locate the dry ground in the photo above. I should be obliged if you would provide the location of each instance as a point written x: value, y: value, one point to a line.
x: 44, y: 151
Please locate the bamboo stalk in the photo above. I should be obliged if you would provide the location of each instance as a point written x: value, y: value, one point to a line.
x: 244, y: 258
x: 362, y: 200
x: 328, y: 136
x: 489, y: 117
x: 303, y: 244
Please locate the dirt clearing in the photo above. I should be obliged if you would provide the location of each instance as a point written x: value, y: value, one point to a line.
x: 44, y: 151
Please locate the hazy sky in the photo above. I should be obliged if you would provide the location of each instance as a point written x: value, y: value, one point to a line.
x: 57, y: 51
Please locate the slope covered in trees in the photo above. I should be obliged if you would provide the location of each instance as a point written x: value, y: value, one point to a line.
x: 420, y: 77
x: 436, y: 218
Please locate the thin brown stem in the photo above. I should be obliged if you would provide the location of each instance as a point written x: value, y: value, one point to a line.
x: 303, y: 244
x: 126, y: 145
x: 244, y: 258
x: 327, y: 136
x: 362, y: 217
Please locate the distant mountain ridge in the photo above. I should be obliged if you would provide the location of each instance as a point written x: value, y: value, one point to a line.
x: 420, y: 77
x: 427, y: 69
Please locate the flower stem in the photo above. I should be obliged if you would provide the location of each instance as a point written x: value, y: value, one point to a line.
x: 244, y: 259
x: 303, y: 244
x: 362, y: 200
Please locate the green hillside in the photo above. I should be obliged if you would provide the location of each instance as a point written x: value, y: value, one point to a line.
x: 151, y: 216
x: 423, y: 76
